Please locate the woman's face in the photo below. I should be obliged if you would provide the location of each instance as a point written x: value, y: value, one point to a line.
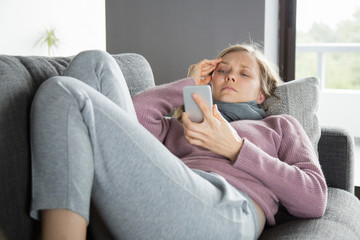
x: 237, y: 79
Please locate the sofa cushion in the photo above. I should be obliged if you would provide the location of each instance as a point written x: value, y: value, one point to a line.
x: 341, y: 221
x: 137, y: 71
x: 20, y: 77
x: 300, y: 99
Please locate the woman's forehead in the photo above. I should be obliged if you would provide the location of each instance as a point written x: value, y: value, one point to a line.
x: 240, y: 58
x: 238, y: 55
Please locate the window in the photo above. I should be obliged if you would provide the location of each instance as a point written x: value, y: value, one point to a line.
x: 328, y: 46
x: 327, y: 42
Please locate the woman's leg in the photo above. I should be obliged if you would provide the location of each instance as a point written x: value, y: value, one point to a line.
x: 99, y: 70
x: 62, y: 224
x: 85, y: 146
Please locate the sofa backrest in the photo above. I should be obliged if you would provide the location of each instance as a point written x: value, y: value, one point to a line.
x: 20, y: 77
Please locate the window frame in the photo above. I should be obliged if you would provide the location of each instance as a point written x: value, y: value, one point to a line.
x: 287, y: 39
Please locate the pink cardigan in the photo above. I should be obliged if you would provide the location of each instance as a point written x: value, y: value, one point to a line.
x: 276, y: 163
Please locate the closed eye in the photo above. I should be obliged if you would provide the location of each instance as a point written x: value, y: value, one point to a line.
x: 245, y: 74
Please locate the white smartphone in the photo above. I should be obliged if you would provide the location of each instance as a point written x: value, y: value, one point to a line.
x: 191, y: 108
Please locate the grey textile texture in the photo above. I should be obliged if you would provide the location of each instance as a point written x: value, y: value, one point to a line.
x: 300, y: 99
x: 335, y: 146
x: 341, y: 221
x: 20, y: 78
x: 240, y: 111
x: 99, y: 70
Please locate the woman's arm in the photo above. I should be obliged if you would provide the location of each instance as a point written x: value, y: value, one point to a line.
x: 295, y: 176
x: 152, y: 105
x: 214, y: 133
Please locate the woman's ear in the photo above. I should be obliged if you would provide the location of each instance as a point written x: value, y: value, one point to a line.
x: 261, y: 98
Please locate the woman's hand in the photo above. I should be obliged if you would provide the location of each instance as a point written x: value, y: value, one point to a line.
x: 214, y: 133
x: 201, y: 70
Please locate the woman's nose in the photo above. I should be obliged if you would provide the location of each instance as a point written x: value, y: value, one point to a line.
x: 230, y: 77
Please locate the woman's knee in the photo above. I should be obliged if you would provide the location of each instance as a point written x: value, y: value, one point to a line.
x: 53, y: 83
x: 92, y: 57
x: 94, y: 54
x: 50, y: 85
x: 92, y: 67
x: 54, y: 87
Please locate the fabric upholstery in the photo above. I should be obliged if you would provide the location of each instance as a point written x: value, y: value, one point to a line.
x: 341, y: 221
x: 137, y: 72
x: 300, y: 99
x: 336, y: 155
x: 19, y: 79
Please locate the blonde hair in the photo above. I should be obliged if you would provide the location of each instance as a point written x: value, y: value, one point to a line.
x: 269, y: 72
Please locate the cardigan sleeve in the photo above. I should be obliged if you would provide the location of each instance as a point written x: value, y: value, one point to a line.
x: 154, y: 104
x: 295, y: 175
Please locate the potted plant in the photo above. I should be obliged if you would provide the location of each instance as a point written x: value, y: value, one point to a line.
x: 48, y: 39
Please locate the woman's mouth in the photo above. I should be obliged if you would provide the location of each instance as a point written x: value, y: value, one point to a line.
x: 229, y: 88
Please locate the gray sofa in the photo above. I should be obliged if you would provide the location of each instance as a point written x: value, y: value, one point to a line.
x: 21, y: 76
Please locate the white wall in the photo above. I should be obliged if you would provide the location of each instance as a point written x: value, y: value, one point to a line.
x: 79, y: 24
x: 271, y: 30
x: 340, y: 108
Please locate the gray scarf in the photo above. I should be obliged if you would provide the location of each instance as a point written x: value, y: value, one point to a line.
x: 241, y: 111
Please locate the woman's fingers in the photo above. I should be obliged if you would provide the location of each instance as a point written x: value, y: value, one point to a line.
x: 217, y: 114
x: 209, y: 65
x: 203, y: 107
x: 202, y: 69
x: 186, y: 121
x: 214, y: 133
x: 193, y: 132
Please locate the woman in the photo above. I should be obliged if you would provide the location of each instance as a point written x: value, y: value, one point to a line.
x: 219, y: 179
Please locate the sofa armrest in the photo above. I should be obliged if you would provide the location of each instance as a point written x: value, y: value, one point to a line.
x: 336, y: 156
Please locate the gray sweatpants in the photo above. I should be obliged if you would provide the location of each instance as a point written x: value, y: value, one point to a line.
x: 87, y: 145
